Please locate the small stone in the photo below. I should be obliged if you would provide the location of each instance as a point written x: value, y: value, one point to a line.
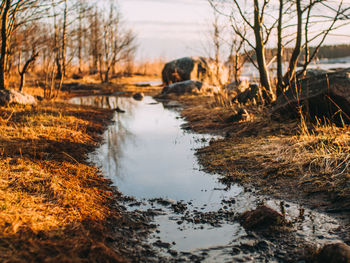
x: 161, y: 244
x: 172, y: 252
x: 334, y: 253
x: 236, y: 251
x: 138, y: 96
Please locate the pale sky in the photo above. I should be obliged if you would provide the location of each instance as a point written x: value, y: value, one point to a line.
x: 168, y: 28
x: 178, y: 28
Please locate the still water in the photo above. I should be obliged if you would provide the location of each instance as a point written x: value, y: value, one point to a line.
x: 147, y: 155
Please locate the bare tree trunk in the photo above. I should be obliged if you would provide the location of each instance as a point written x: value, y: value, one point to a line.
x: 80, y: 34
x: 260, y: 50
x: 237, y: 69
x: 94, y: 42
x: 64, y: 39
x: 306, y: 33
x: 4, y: 41
x: 80, y: 41
x: 288, y: 77
x: 25, y: 68
x: 106, y: 80
x: 280, y: 85
x: 217, y: 47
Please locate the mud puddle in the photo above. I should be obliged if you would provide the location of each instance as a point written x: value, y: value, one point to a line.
x: 149, y: 157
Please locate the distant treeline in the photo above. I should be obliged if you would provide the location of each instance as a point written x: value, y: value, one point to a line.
x: 331, y: 51
x: 334, y: 51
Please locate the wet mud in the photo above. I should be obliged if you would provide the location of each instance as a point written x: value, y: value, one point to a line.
x: 176, y: 211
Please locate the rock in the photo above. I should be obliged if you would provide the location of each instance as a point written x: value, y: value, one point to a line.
x: 236, y: 251
x: 189, y: 87
x: 319, y: 97
x: 161, y: 244
x: 172, y: 104
x: 179, y: 207
x: 39, y: 98
x: 172, y: 252
x: 193, y: 68
x: 138, y: 96
x: 143, y: 85
x: 261, y: 218
x: 334, y: 253
x: 252, y: 93
x: 180, y: 88
x: 313, y: 72
x: 119, y: 110
x: 241, y: 115
x: 234, y: 87
x: 77, y: 76
x: 8, y: 97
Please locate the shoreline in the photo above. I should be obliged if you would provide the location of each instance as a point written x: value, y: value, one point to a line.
x: 255, y: 154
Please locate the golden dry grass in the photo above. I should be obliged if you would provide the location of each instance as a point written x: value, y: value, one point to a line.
x: 278, y: 156
x: 54, y: 206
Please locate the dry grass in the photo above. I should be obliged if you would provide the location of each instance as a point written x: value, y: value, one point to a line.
x: 287, y: 159
x: 326, y: 148
x: 54, y: 206
x: 150, y: 68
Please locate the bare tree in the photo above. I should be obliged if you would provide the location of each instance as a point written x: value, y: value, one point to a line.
x: 95, y: 39
x: 13, y: 14
x: 28, y: 42
x: 291, y: 14
x: 217, y: 42
x: 118, y: 43
x: 236, y: 59
x: 332, y: 15
x: 261, y: 32
x: 82, y: 9
x: 279, y: 89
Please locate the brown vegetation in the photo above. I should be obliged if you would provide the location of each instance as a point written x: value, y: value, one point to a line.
x: 290, y: 159
x: 55, y: 207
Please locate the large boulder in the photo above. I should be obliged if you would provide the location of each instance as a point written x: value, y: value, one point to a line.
x: 8, y: 97
x: 189, y: 87
x: 194, y: 68
x: 326, y: 95
x: 313, y: 72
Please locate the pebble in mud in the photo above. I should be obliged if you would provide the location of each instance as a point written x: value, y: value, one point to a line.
x: 161, y: 244
x: 174, y: 253
x: 179, y: 207
x: 236, y: 251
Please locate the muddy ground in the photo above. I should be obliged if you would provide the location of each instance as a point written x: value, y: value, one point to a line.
x: 263, y: 154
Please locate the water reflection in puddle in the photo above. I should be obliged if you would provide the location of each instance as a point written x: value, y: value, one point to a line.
x: 147, y: 155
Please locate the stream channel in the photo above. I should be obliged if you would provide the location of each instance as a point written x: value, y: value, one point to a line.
x: 149, y: 157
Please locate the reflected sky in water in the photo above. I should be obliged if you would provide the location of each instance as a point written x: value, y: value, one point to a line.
x: 148, y: 155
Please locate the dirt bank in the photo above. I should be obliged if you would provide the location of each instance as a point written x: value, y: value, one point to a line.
x: 282, y: 159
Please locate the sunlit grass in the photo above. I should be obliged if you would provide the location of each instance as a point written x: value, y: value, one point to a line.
x: 52, y: 203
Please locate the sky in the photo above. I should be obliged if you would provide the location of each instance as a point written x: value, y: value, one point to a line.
x: 168, y: 28
x: 176, y: 28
